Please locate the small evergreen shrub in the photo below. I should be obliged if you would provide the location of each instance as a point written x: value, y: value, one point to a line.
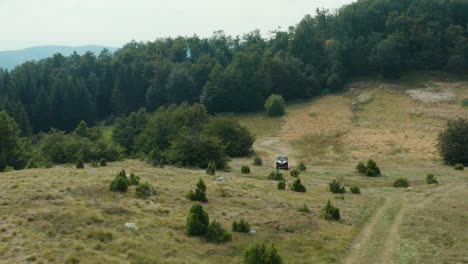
x: 401, y: 183
x: 430, y: 179
x: 464, y: 102
x: 372, y: 169
x: 80, y: 163
x: 260, y: 254
x: 452, y: 143
x: 241, y: 226
x: 133, y: 179
x: 245, y: 169
x: 459, y: 167
x: 199, y: 194
x: 8, y: 169
x: 297, y: 186
x: 330, y: 212
x: 275, y: 105
x: 144, y: 190
x: 217, y: 234
x: 281, y: 185
x: 120, y: 183
x: 103, y: 162
x: 197, y: 221
x: 258, y: 161
x: 94, y: 164
x: 302, y: 166
x: 355, y: 189
x: 211, y: 169
x: 304, y: 209
x: 156, y: 158
x: 335, y: 187
x: 276, y: 176
x: 361, y: 168
x: 294, y: 173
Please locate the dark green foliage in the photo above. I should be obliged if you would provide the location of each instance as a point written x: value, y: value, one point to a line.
x: 335, y: 187
x: 120, y: 182
x: 276, y: 176
x: 260, y: 254
x: 197, y: 221
x: 144, y: 190
x: 330, y: 212
x: 297, y: 186
x: 94, y: 164
x: 274, y: 105
x: 258, y: 161
x: 199, y: 194
x: 103, y: 162
x: 245, y: 169
x: 304, y: 209
x: 452, y: 143
x: 133, y: 179
x: 128, y: 129
x: 355, y: 190
x: 80, y: 163
x: 459, y: 167
x: 281, y: 185
x: 464, y: 102
x: 372, y: 169
x: 8, y: 141
x: 211, y: 169
x: 294, y: 173
x: 241, y: 226
x: 217, y: 234
x: 361, y: 168
x: 431, y: 179
x: 236, y: 139
x: 302, y: 166
x: 156, y: 158
x: 401, y: 183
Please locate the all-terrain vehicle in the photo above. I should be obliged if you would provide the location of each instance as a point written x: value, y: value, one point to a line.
x: 282, y: 163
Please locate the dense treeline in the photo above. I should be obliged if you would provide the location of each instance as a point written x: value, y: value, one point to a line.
x: 235, y: 74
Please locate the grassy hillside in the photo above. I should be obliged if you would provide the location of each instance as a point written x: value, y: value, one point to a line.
x: 65, y: 215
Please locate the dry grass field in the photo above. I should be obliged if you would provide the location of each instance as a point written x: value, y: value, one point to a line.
x: 65, y: 215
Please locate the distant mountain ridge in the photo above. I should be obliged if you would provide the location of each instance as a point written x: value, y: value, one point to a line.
x: 12, y: 58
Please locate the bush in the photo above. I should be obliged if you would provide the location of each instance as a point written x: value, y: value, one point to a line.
x: 94, y: 164
x: 294, y: 173
x: 156, y: 158
x: 371, y: 169
x: 304, y: 209
x: 274, y: 105
x: 401, y: 183
x: 120, y: 182
x: 260, y: 254
x: 217, y: 234
x: 245, y: 169
x: 241, y: 226
x: 452, y: 143
x: 80, y: 163
x: 361, y: 168
x: 103, y: 162
x: 430, y: 179
x: 197, y: 221
x: 297, y: 186
x: 464, y: 102
x: 199, y: 194
x: 331, y: 213
x: 258, y: 161
x: 133, y: 179
x: 281, y: 185
x: 144, y: 190
x: 459, y: 167
x: 355, y: 190
x: 335, y: 187
x: 276, y: 176
x: 301, y: 166
x: 211, y: 169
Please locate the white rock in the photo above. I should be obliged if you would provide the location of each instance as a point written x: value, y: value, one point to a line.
x: 252, y: 231
x: 131, y: 225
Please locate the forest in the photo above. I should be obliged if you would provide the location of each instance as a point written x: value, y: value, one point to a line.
x: 237, y: 73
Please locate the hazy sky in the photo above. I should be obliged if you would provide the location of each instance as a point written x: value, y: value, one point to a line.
x: 27, y: 23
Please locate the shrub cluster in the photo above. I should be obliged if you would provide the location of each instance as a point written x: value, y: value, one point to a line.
x: 80, y: 163
x: 371, y: 170
x: 120, y: 182
x: 331, y: 213
x: 355, y: 189
x: 335, y: 187
x: 274, y: 105
x: 452, y: 143
x: 217, y: 234
x: 144, y: 190
x: 260, y: 254
x: 459, y: 167
x: 294, y: 173
x: 297, y: 186
x: 281, y: 185
x: 258, y: 161
x: 241, y: 226
x: 133, y: 179
x: 198, y: 224
x: 302, y: 166
x: 431, y: 179
x: 211, y: 169
x: 103, y: 162
x: 245, y: 169
x: 401, y: 183
x: 276, y: 176
x: 156, y: 158
x: 199, y: 194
